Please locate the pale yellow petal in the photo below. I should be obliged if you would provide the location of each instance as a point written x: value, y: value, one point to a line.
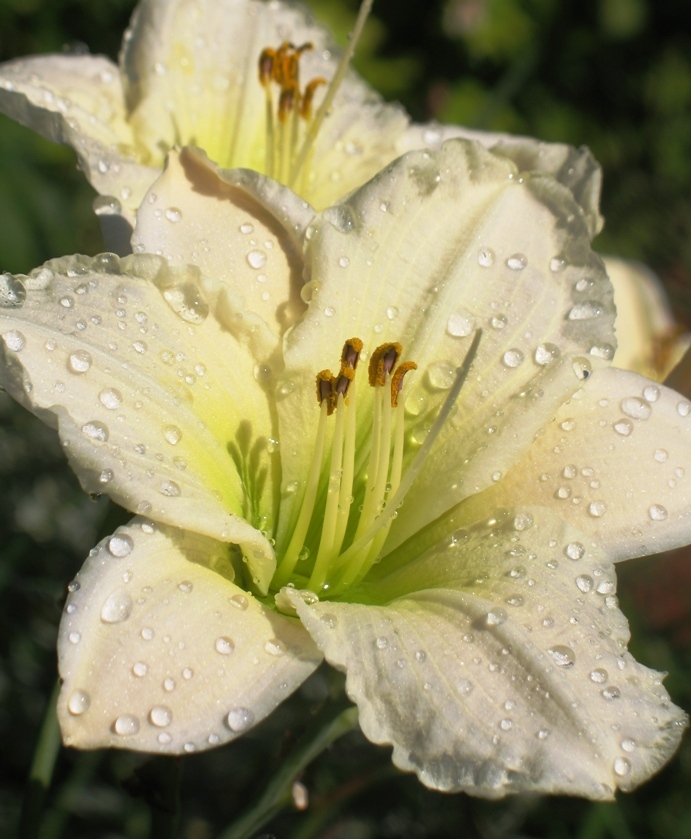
x: 78, y: 101
x: 159, y: 651
x: 157, y: 405
x: 240, y: 229
x: 498, y: 665
x: 615, y: 461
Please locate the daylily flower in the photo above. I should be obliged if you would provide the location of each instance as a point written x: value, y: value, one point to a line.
x: 649, y: 340
x: 446, y: 538
x: 251, y: 83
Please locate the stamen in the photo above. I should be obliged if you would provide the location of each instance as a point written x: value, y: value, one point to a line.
x: 308, y: 97
x: 397, y: 380
x: 382, y: 362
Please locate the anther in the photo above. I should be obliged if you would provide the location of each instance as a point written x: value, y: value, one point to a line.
x: 382, y: 362
x: 397, y: 380
x: 267, y: 61
x: 308, y: 97
x: 351, y: 353
x: 343, y: 380
x: 326, y: 390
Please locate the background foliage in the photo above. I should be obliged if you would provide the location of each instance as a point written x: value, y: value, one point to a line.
x: 612, y: 74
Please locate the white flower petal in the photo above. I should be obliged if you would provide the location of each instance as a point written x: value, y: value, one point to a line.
x: 615, y: 462
x: 575, y: 168
x: 157, y: 405
x: 500, y: 665
x: 78, y: 101
x: 160, y: 653
x: 437, y: 246
x: 222, y: 223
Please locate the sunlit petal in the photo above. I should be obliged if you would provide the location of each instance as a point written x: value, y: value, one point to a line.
x: 117, y: 355
x: 497, y: 663
x: 161, y: 652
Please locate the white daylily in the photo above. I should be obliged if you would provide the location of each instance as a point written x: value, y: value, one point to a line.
x: 451, y: 551
x: 189, y: 74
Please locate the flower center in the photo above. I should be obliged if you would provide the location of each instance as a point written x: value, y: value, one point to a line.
x: 292, y: 125
x: 348, y: 545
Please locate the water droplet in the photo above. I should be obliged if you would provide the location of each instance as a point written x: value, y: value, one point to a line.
x: 117, y: 608
x: 517, y: 262
x: 110, y: 398
x: 329, y: 311
x: 563, y: 656
x: 185, y: 586
x: 597, y: 509
x: 172, y: 434
x: 79, y: 361
x: 605, y: 351
x: 392, y: 312
x: 274, y: 647
x: 585, y: 311
x: 147, y: 633
x: 224, y: 645
x: 256, y: 259
x: 522, y: 521
x: 622, y: 766
x: 78, y: 702
x: 557, y: 264
x: 506, y: 725
x: 460, y: 324
x: 246, y: 228
x: 657, y: 512
x: 464, y: 686
x: 584, y: 582
x: 140, y: 669
x: 381, y: 643
x: 240, y: 719
x: 262, y: 373
x: 683, y: 408
x: 498, y: 321
x: 636, y: 408
x: 96, y: 431
x: 126, y: 725
x: 329, y: 621
x: 170, y: 489
x: 239, y: 601
x: 628, y: 745
x: 542, y: 734
x: 651, y: 393
x: 12, y: 292
x: 120, y: 545
x: 14, y: 340
x: 513, y: 358
x: 173, y: 214
x: 74, y: 637
x: 187, y: 301
x: 420, y: 656
x: 623, y: 427
x: 485, y: 257
x: 546, y: 354
x: 599, y: 676
x: 160, y: 716
x: 496, y: 617
x: 169, y: 685
x: 343, y: 261
x: 441, y: 375
x: 187, y: 673
x: 661, y: 455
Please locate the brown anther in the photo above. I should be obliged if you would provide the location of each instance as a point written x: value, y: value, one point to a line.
x: 351, y: 353
x: 397, y: 380
x: 382, y: 362
x: 308, y: 97
x: 267, y: 60
x: 326, y: 391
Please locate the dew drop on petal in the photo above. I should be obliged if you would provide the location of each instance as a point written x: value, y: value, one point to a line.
x: 164, y: 738
x: 160, y: 716
x: 240, y: 719
x: 12, y: 292
x: 628, y: 745
x: 96, y: 431
x: 513, y: 358
x: 14, y: 340
x: 172, y: 434
x: 140, y: 669
x: 74, y: 637
x: 636, y: 408
x: 599, y: 676
x: 126, y: 725
x: 79, y: 361
x: 610, y: 693
x: 651, y: 393
x: 224, y: 645
x: 563, y: 656
x: 622, y: 766
x: 684, y: 408
x: 517, y: 262
x: 169, y: 489
x: 239, y: 601
x: 464, y: 686
x: 441, y: 375
x: 117, y: 608
x: 496, y: 617
x: 574, y: 550
x: 173, y: 214
x: 546, y: 354
x: 120, y: 545
x: 485, y: 257
x: 274, y: 647
x: 78, y: 702
x: 597, y: 509
x: 657, y: 512
x: 460, y: 324
x: 585, y: 311
x: 256, y: 259
x: 584, y: 583
x: 557, y: 264
x: 110, y: 398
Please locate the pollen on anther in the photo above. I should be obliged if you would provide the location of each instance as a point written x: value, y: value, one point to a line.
x: 326, y: 391
x: 397, y: 380
x: 351, y: 353
x: 382, y: 362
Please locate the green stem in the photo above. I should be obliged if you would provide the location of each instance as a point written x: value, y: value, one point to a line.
x: 331, y: 723
x: 41, y: 771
